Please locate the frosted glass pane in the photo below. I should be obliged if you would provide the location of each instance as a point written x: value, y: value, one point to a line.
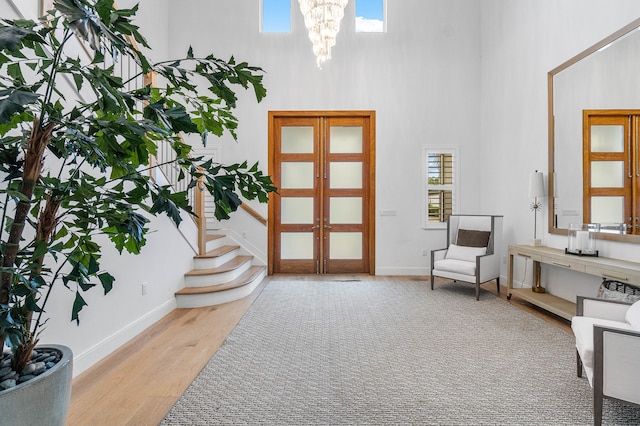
x: 607, y: 209
x: 346, y: 140
x: 346, y: 175
x: 345, y: 245
x: 607, y: 138
x: 345, y: 210
x: 297, y: 210
x: 296, y: 245
x: 607, y: 174
x: 297, y: 175
x: 297, y: 140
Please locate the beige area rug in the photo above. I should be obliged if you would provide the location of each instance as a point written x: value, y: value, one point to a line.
x: 381, y: 353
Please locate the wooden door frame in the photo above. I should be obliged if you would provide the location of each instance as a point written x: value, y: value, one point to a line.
x: 371, y: 195
x: 631, y: 190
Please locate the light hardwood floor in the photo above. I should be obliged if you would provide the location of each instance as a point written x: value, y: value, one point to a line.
x: 140, y: 382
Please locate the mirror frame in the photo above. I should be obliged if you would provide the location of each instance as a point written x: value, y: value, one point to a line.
x: 551, y: 173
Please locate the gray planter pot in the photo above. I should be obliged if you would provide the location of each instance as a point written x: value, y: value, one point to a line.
x: 43, y: 400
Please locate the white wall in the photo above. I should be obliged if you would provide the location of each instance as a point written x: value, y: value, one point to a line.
x: 111, y: 320
x: 464, y: 72
x: 153, y: 18
x: 522, y: 40
x: 421, y: 78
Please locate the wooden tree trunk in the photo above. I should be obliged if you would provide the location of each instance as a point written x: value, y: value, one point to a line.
x: 36, y: 146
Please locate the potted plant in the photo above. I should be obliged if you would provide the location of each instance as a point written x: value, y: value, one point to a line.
x: 72, y: 169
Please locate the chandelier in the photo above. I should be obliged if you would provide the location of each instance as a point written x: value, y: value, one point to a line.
x: 322, y: 19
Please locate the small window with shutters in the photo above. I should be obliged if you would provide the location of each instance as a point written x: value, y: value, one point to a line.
x: 439, y: 185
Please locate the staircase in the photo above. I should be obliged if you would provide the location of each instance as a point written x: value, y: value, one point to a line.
x: 221, y: 275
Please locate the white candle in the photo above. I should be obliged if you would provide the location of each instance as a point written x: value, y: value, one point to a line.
x: 582, y: 240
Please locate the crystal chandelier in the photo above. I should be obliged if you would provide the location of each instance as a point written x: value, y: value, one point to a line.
x: 322, y: 19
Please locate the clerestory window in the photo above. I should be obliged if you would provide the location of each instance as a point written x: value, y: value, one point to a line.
x: 275, y: 16
x: 370, y: 16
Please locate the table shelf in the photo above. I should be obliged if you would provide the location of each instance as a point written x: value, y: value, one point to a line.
x: 620, y: 270
x: 557, y: 305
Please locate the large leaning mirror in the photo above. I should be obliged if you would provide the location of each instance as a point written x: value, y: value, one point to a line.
x: 603, y: 77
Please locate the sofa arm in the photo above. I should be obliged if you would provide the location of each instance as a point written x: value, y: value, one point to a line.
x: 615, y: 363
x: 438, y: 254
x: 613, y: 310
x: 488, y: 266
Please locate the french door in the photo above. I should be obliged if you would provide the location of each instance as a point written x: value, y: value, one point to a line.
x: 611, y: 169
x: 321, y: 220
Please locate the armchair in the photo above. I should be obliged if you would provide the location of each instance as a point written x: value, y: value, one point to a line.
x: 607, y: 336
x: 473, y: 251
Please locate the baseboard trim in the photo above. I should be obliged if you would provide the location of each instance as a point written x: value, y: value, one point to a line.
x: 91, y: 356
x: 246, y: 247
x: 411, y: 271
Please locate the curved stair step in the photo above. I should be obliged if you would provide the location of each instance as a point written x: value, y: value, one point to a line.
x: 244, y: 279
x: 216, y: 257
x: 242, y: 286
x: 229, y: 266
x: 218, y: 275
x: 213, y: 241
x: 220, y: 251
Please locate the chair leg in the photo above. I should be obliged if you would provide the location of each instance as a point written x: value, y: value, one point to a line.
x: 477, y: 290
x: 498, y: 284
x: 597, y: 407
x: 432, y: 280
x: 578, y: 364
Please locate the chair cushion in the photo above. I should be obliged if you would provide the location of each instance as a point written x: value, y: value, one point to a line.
x: 473, y: 238
x: 465, y: 253
x: 583, y: 330
x: 633, y: 315
x: 455, y: 265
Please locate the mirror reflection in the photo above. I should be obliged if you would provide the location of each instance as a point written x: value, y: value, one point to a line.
x: 592, y: 180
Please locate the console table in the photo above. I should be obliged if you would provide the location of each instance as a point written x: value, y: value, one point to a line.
x: 619, y: 270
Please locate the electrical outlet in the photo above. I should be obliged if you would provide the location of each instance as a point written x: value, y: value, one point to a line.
x: 425, y: 252
x: 144, y: 288
x: 504, y: 259
x: 244, y: 235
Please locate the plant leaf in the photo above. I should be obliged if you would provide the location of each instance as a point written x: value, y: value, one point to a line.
x: 78, y: 304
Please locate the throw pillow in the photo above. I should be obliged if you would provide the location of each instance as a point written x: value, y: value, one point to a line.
x: 472, y: 238
x: 633, y: 315
x: 465, y: 253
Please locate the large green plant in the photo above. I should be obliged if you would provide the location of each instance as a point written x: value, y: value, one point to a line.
x: 74, y: 169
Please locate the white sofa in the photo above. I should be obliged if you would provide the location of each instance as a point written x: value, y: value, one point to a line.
x: 607, y: 336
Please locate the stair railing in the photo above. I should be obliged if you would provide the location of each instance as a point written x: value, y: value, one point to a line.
x: 164, y: 160
x: 257, y: 216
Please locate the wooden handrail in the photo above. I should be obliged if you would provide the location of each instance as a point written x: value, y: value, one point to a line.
x: 257, y: 216
x: 201, y: 219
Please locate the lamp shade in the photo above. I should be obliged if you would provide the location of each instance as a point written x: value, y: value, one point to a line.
x: 536, y: 185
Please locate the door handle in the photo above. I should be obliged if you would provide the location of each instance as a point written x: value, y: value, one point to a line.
x: 315, y: 227
x: 630, y: 172
x: 327, y: 227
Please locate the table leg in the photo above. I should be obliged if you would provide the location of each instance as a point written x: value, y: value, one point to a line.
x: 509, y: 276
x: 537, y: 288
